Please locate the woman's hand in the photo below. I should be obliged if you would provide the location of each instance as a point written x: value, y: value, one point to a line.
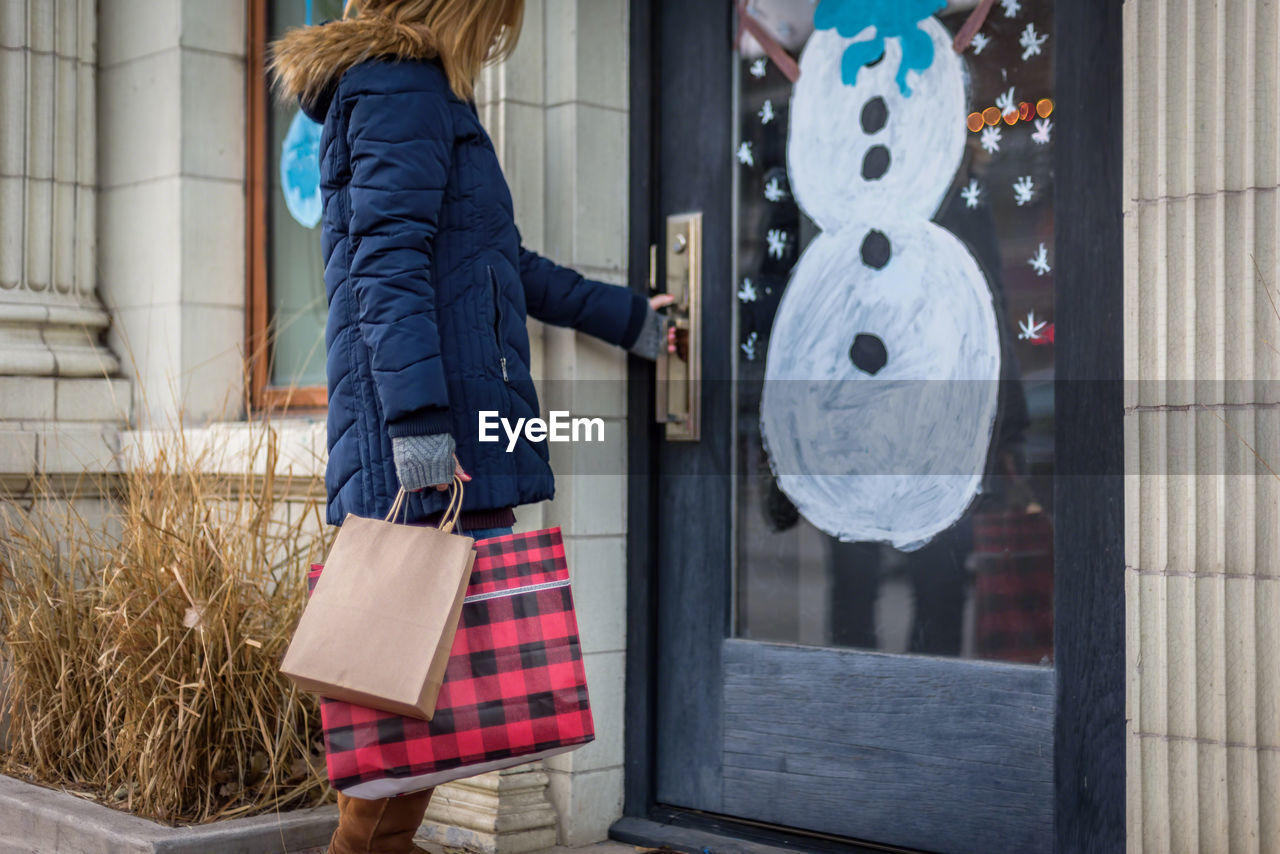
x: 457, y: 472
x: 657, y: 303
x: 648, y: 342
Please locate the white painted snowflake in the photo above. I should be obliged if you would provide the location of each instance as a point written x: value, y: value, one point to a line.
x: 745, y: 155
x: 1040, y: 261
x: 1031, y: 329
x: 1005, y: 102
x: 979, y: 43
x: 1044, y: 128
x: 777, y: 239
x: 766, y: 112
x: 749, y: 346
x: 1023, y: 190
x: 1011, y: 7
x: 773, y: 190
x: 971, y: 194
x: 990, y: 139
x: 1031, y: 42
x: 758, y: 67
x: 747, y: 293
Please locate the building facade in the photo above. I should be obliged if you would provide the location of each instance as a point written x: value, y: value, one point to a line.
x: 1064, y: 644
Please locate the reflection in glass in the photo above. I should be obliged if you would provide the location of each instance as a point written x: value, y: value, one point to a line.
x: 295, y: 272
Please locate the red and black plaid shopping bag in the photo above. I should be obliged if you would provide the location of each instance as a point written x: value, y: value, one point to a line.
x: 515, y: 689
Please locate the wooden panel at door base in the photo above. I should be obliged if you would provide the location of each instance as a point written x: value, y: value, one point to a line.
x: 929, y: 753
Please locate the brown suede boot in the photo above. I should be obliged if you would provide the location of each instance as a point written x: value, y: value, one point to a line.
x: 382, y: 826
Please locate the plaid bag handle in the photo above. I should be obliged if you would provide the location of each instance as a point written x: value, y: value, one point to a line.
x: 448, y: 518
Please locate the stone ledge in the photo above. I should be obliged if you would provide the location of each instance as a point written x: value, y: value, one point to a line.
x: 27, y: 398
x: 227, y: 447
x: 76, y: 455
x: 33, y: 818
x: 98, y: 399
x: 82, y: 456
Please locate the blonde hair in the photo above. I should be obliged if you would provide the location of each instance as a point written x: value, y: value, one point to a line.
x: 467, y: 34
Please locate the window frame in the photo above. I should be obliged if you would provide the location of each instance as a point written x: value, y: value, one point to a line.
x: 262, y: 394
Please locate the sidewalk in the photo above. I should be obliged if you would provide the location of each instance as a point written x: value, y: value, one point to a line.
x: 599, y: 848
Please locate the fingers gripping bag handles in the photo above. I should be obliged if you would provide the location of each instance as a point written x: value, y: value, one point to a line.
x: 379, y: 627
x: 515, y: 689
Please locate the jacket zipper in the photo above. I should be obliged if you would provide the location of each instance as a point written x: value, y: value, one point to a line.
x: 497, y: 323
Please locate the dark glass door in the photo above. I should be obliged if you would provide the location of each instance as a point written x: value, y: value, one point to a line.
x: 854, y: 560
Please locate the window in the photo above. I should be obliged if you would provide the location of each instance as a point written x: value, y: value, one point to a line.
x: 286, y: 299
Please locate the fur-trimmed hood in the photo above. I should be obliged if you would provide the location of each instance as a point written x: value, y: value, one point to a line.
x: 306, y: 62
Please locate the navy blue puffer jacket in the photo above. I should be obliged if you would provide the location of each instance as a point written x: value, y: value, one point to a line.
x: 429, y: 288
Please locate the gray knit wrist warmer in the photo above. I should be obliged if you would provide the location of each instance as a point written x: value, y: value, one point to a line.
x: 423, y: 461
x: 652, y: 333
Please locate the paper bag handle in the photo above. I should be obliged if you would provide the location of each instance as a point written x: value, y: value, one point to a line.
x: 448, y: 518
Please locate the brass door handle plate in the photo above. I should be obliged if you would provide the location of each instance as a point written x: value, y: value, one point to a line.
x: 680, y: 373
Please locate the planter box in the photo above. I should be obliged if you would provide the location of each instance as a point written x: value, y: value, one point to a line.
x: 36, y: 820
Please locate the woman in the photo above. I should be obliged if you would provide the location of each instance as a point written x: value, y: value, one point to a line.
x: 428, y: 286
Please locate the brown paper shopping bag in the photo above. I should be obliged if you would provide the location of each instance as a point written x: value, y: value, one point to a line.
x: 379, y: 626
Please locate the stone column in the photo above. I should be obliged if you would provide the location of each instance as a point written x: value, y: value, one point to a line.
x: 50, y: 316
x: 585, y: 212
x: 1202, y: 424
x: 60, y: 412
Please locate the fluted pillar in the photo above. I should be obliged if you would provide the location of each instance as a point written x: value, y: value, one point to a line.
x: 51, y: 320
x: 1202, y: 424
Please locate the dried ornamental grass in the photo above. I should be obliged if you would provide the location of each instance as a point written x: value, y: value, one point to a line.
x: 143, y: 655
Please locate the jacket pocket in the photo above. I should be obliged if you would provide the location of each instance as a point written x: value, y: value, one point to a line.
x: 497, y: 322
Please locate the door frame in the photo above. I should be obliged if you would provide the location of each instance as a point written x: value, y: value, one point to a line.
x: 1089, y: 740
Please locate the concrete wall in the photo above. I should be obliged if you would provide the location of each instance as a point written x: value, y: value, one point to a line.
x: 171, y: 165
x: 1202, y: 224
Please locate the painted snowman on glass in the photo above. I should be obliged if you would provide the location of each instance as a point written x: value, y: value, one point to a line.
x: 882, y: 371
